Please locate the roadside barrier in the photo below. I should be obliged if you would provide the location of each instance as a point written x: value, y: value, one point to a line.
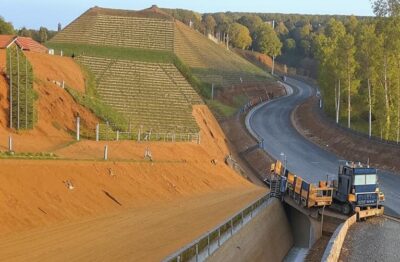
x: 334, y: 247
x: 204, y: 246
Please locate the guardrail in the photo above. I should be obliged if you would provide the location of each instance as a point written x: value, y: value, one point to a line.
x: 204, y: 246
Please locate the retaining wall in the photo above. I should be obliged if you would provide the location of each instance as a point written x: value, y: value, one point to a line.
x: 267, y: 237
x: 334, y: 247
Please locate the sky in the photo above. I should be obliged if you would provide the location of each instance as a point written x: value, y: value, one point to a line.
x: 48, y: 13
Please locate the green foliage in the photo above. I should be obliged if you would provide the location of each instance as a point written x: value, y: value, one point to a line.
x: 144, y: 55
x: 6, y: 28
x: 209, y: 23
x: 290, y: 45
x: 43, y: 34
x: 267, y: 41
x: 252, y: 22
x: 221, y: 109
x: 22, y: 95
x: 240, y: 36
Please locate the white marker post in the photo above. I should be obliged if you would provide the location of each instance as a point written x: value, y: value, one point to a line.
x: 78, y: 120
x: 10, y: 144
x: 97, y: 132
x: 117, y: 135
x: 106, y: 152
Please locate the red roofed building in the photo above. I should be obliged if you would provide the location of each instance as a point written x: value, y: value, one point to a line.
x: 25, y: 43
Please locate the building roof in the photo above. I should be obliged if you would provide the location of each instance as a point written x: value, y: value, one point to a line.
x: 5, y: 40
x: 25, y: 43
x: 28, y: 44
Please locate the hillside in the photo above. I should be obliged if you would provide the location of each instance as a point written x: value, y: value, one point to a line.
x: 147, y: 29
x: 57, y: 110
x: 211, y: 62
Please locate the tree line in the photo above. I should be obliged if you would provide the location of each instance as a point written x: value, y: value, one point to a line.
x: 359, y: 71
x: 41, y: 35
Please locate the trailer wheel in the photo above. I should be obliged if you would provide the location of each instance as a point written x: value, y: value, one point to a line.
x: 346, y: 209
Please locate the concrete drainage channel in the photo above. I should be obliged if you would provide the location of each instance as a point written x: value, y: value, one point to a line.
x: 203, y: 247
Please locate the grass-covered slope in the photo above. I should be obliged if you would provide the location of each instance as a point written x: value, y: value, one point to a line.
x: 211, y: 62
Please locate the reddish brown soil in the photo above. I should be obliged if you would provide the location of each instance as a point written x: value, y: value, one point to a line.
x: 342, y: 143
x: 56, y: 108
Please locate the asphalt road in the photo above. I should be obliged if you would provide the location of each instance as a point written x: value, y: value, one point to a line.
x: 273, y: 123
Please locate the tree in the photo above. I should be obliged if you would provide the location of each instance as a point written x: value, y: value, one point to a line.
x: 43, y: 34
x: 209, y: 23
x: 290, y: 45
x: 6, y: 28
x: 368, y: 51
x: 281, y: 29
x: 240, y: 36
x: 268, y: 43
x: 347, y: 55
x: 252, y: 22
x: 24, y: 32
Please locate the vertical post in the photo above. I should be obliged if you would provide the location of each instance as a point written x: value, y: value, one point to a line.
x: 178, y: 259
x: 61, y: 53
x: 117, y: 135
x: 198, y: 138
x: 208, y: 244
x: 105, y: 152
x: 273, y: 65
x: 26, y: 93
x: 11, y: 90
x: 212, y: 91
x: 197, y: 252
x: 10, y: 144
x: 219, y: 237
x: 231, y: 227
x: 97, y: 132
x: 242, y: 218
x: 18, y: 77
x: 78, y: 123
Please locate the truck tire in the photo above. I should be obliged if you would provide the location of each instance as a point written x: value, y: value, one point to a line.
x: 346, y: 209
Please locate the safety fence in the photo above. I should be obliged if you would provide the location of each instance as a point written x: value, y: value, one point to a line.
x: 204, y: 246
x: 106, y: 132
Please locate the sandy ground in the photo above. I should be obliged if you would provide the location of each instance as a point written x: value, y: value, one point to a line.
x: 142, y: 234
x: 56, y: 108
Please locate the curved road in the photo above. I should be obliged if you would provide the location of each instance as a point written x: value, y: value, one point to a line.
x: 273, y: 123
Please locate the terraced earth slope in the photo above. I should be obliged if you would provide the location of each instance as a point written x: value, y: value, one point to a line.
x: 213, y: 63
x: 153, y: 95
x: 147, y: 29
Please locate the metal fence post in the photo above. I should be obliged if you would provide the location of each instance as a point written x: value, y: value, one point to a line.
x: 208, y: 244
x: 106, y: 152
x: 117, y: 135
x: 78, y: 123
x: 10, y: 144
x: 97, y: 132
x: 197, y: 252
x: 219, y: 237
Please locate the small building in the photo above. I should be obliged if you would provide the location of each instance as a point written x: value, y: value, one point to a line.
x: 24, y: 43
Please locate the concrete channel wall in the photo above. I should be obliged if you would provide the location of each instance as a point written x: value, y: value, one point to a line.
x: 267, y: 237
x: 334, y: 247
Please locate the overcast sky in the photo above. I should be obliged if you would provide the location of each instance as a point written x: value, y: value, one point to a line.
x: 34, y: 13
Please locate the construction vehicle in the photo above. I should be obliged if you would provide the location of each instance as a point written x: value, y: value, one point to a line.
x: 304, y: 193
x: 357, y: 190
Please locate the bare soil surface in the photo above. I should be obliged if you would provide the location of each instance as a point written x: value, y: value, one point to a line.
x: 56, y: 109
x: 342, y: 143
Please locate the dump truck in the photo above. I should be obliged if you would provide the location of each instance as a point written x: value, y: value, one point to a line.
x: 357, y: 190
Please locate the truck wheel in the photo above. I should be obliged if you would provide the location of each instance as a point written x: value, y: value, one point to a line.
x: 346, y: 209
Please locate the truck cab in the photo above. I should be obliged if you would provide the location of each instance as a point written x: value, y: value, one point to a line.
x: 357, y: 188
